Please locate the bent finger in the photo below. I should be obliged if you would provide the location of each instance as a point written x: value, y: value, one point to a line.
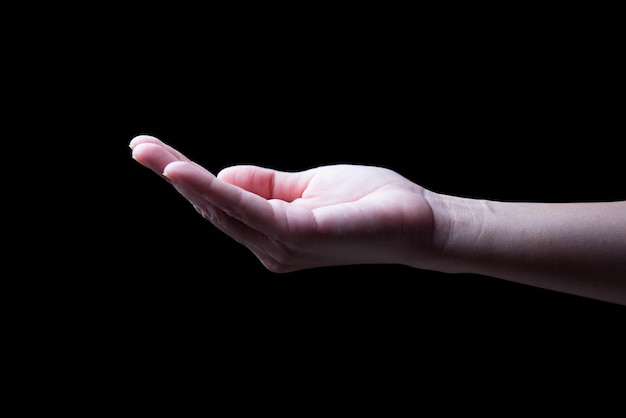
x: 247, y: 207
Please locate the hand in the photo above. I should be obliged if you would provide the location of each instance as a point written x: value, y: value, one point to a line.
x: 330, y: 215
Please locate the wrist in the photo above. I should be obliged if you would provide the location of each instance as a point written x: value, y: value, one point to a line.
x: 458, y: 229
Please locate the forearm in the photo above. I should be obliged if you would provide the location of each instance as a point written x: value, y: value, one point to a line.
x: 577, y: 248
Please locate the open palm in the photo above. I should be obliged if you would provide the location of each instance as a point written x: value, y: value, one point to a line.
x: 329, y: 215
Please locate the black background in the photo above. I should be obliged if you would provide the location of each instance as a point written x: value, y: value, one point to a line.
x: 500, y: 111
x: 520, y: 106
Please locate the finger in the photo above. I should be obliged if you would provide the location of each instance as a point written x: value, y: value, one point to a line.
x: 149, y: 139
x: 153, y: 156
x: 272, y: 254
x: 267, y: 183
x: 249, y: 208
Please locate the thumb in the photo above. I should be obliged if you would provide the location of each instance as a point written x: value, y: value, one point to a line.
x: 258, y: 180
x: 268, y: 183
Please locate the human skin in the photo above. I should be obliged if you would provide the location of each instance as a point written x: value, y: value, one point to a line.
x: 357, y: 214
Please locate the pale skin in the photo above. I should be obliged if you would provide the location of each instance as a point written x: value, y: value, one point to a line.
x: 356, y: 214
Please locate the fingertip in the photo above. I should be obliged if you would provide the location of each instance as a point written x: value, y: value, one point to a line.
x: 174, y: 169
x: 139, y: 149
x: 226, y: 172
x: 241, y: 171
x: 141, y: 139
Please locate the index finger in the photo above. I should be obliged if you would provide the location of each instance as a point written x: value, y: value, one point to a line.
x: 149, y: 139
x: 247, y: 207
